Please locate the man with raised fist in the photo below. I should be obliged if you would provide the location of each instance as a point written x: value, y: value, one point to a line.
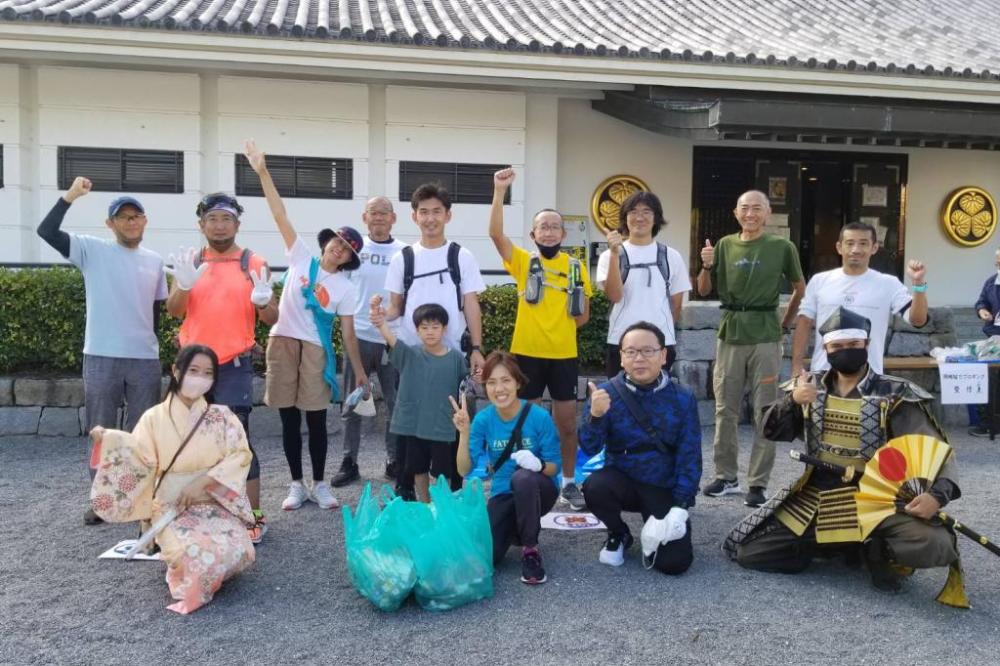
x: 125, y: 289
x: 648, y: 426
x: 747, y: 269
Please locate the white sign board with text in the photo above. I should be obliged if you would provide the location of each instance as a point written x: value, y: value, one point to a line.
x: 964, y: 383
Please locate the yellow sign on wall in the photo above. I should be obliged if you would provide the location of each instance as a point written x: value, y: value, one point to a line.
x: 609, y: 197
x: 969, y: 216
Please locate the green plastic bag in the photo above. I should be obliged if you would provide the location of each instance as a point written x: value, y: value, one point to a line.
x: 454, y: 562
x: 378, y: 562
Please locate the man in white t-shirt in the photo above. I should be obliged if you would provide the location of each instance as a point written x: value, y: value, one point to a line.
x: 874, y: 295
x: 369, y: 279
x: 455, y: 285
x: 643, y: 294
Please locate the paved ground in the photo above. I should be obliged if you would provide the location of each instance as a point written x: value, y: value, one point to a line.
x: 60, y: 604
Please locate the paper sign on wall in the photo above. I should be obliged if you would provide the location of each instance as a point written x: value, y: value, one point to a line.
x: 964, y: 383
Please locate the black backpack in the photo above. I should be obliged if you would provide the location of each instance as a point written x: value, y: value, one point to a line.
x: 662, y: 263
x: 452, y: 270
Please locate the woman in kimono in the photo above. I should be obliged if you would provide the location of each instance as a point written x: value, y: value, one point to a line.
x: 190, y: 456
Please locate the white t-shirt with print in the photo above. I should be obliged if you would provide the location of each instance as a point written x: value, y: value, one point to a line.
x: 434, y: 289
x: 369, y: 280
x: 644, y: 295
x: 872, y: 294
x: 333, y: 290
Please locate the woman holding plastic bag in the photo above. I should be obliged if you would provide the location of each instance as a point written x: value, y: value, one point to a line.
x: 522, y: 448
x: 190, y: 457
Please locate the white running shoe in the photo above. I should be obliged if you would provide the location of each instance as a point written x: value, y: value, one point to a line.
x: 613, y: 552
x: 322, y: 495
x: 297, y: 496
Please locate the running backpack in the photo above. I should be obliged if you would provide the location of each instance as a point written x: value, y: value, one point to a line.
x: 662, y: 263
x: 453, y: 270
x: 244, y: 260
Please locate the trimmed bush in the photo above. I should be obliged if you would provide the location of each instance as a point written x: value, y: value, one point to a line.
x: 42, y: 322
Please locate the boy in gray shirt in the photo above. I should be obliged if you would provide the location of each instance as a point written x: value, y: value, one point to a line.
x: 125, y: 288
x: 428, y: 375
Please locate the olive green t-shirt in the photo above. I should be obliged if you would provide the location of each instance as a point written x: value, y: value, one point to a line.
x: 748, y: 273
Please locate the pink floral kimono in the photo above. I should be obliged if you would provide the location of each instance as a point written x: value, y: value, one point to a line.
x: 208, y: 542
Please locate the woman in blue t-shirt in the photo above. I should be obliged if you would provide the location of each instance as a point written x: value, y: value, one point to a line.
x: 524, y: 486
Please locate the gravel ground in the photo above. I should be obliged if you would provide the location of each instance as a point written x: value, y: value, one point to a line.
x: 60, y: 604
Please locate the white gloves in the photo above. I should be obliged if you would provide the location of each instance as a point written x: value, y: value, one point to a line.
x: 659, y: 531
x: 184, y: 272
x: 262, y: 291
x: 526, y: 459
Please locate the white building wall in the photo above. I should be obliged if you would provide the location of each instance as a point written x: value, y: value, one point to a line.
x: 435, y: 125
x: 12, y: 228
x: 955, y: 273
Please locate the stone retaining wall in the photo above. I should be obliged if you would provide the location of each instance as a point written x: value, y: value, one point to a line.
x: 54, y: 407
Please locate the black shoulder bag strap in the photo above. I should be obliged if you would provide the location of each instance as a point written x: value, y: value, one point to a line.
x: 179, y: 449
x: 622, y: 392
x: 408, y: 270
x: 455, y: 272
x: 514, y: 443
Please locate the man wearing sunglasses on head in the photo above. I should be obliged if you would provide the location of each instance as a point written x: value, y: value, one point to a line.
x: 125, y: 289
x: 220, y: 291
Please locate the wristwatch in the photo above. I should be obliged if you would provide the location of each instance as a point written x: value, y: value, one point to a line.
x: 477, y: 348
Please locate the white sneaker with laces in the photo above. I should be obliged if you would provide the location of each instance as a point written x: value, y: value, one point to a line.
x: 297, y: 496
x: 322, y: 495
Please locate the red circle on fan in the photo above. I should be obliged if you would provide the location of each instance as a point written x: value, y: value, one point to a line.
x: 892, y: 464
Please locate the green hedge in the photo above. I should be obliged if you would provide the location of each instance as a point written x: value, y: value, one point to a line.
x: 42, y: 322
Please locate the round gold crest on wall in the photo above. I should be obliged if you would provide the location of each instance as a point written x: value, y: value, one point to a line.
x: 969, y: 216
x: 609, y: 197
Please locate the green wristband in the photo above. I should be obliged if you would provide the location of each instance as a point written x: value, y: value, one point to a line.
x: 918, y: 288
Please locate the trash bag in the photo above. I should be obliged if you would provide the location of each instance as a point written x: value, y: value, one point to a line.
x: 586, y: 466
x: 442, y: 551
x: 453, y: 567
x: 378, y: 562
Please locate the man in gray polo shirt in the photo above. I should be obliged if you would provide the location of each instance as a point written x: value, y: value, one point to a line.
x: 125, y: 289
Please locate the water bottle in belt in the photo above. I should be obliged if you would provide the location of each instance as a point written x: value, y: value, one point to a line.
x: 533, y: 284
x: 574, y: 289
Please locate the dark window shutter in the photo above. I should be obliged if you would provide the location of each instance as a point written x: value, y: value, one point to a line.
x: 115, y: 170
x: 299, y: 177
x: 466, y: 183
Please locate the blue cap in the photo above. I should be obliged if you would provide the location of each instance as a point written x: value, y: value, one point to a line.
x: 117, y: 204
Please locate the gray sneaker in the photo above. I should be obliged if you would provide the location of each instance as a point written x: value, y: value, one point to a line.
x: 571, y: 495
x: 721, y: 487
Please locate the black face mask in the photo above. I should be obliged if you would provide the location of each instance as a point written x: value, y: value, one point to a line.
x: 549, y: 251
x: 848, y: 361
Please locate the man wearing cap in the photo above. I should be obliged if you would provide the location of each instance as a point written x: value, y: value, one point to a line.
x: 219, y: 292
x: 845, y: 415
x: 125, y: 288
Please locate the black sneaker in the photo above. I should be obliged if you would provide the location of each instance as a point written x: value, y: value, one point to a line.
x: 572, y: 496
x: 721, y: 487
x: 755, y: 496
x: 91, y: 518
x: 884, y: 575
x: 532, y: 571
x: 348, y: 473
x: 613, y: 552
x: 390, y: 470
x: 979, y: 431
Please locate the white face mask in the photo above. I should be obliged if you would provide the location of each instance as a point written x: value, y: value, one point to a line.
x: 193, y: 386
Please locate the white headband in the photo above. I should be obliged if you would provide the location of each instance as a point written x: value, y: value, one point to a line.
x: 845, y: 334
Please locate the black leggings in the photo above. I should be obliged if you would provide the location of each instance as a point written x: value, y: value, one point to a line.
x: 291, y: 440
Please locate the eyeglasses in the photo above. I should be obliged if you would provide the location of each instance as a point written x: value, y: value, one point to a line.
x: 645, y: 352
x: 549, y: 227
x: 129, y: 218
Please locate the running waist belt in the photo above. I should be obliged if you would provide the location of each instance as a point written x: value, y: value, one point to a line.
x: 747, y: 308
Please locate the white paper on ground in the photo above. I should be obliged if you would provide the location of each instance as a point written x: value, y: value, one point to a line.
x: 117, y: 552
x: 571, y: 522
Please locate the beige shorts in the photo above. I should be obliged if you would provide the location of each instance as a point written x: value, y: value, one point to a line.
x: 295, y: 375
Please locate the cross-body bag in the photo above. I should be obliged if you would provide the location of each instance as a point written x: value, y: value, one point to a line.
x: 514, y: 443
x: 654, y: 439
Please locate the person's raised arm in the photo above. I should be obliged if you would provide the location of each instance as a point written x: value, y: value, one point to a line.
x: 613, y: 285
x: 377, y: 316
x: 705, y: 274
x: 257, y: 162
x: 49, y: 230
x: 501, y: 183
x: 917, y: 272
x: 800, y: 341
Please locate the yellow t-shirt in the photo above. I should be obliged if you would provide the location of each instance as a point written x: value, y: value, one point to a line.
x: 545, y: 330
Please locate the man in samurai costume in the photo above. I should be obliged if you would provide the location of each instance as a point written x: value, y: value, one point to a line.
x: 845, y: 415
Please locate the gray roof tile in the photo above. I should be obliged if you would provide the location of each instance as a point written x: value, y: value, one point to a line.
x: 899, y: 36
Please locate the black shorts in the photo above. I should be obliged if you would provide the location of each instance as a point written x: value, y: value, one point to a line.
x: 424, y: 455
x: 558, y: 374
x: 613, y: 360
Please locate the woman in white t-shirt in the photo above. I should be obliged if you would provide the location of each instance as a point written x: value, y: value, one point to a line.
x: 301, y: 363
x: 643, y: 294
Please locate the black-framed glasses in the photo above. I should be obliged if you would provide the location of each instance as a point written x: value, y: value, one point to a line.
x: 645, y: 352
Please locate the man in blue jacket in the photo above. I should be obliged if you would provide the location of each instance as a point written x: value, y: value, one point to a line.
x: 648, y: 426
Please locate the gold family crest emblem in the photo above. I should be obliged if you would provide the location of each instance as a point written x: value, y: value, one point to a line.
x: 609, y: 197
x: 969, y: 216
